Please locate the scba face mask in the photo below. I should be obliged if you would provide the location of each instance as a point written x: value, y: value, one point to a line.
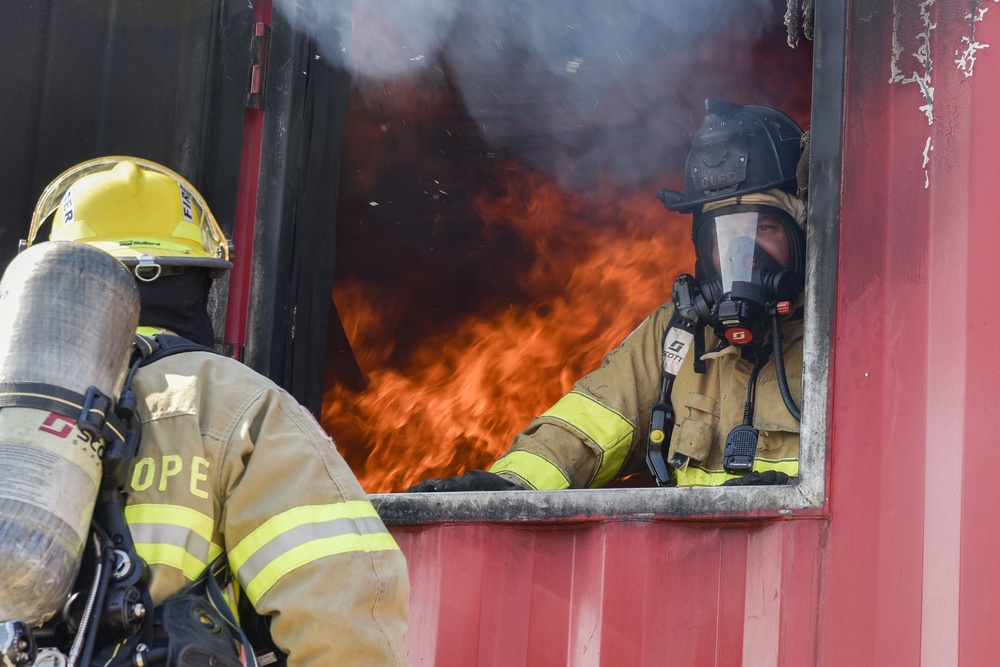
x: 750, y: 266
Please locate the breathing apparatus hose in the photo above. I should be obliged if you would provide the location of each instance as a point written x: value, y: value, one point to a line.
x: 779, y: 367
x: 82, y: 649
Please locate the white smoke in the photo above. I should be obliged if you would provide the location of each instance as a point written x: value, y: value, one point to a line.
x: 584, y: 76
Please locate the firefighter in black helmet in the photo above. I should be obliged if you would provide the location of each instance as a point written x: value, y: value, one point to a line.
x: 706, y: 390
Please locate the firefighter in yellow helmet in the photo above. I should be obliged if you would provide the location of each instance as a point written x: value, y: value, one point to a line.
x: 706, y: 390
x: 155, y: 223
x: 228, y: 462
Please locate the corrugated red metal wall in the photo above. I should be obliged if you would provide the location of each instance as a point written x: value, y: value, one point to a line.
x: 896, y: 569
x: 614, y: 593
x: 916, y: 372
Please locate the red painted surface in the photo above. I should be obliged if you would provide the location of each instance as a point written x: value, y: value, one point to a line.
x: 915, y: 373
x: 619, y: 593
x: 898, y: 571
x: 238, y: 304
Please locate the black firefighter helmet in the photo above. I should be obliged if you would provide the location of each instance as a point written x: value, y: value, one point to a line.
x: 739, y: 149
x: 741, y: 187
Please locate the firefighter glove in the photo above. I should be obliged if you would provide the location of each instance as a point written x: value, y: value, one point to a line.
x: 472, y: 480
x: 766, y: 478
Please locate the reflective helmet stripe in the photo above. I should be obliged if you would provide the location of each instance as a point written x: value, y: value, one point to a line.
x: 302, y: 535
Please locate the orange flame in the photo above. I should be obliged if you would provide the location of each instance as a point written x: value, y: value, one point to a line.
x: 604, y: 261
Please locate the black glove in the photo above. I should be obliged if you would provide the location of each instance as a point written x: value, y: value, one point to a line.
x: 472, y: 480
x: 766, y: 478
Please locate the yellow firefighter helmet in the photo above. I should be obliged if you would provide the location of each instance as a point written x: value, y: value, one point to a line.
x: 144, y: 214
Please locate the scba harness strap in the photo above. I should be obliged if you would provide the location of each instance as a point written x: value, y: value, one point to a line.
x: 196, y: 627
x: 152, y: 348
x: 677, y: 341
x: 95, y: 413
x: 92, y: 411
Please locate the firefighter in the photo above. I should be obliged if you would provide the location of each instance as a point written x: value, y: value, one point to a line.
x: 706, y: 390
x: 228, y: 462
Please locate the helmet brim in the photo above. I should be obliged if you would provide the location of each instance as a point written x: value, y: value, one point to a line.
x: 131, y: 255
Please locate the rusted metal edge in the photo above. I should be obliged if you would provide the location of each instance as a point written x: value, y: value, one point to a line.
x: 732, y: 504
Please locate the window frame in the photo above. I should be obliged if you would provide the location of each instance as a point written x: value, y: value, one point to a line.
x: 809, y: 495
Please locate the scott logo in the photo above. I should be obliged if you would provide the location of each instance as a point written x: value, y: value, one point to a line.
x: 57, y: 425
x: 739, y: 336
x: 65, y: 428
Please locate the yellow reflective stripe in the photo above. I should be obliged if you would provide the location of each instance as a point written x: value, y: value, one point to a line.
x: 172, y: 515
x: 699, y: 476
x: 304, y: 534
x: 148, y: 331
x: 606, y: 428
x: 175, y: 555
x: 534, y: 469
x: 315, y: 550
x: 293, y: 518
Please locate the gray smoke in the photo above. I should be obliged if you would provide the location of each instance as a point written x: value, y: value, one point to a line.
x: 573, y: 87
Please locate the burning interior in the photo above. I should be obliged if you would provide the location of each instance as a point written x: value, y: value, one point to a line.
x: 497, y: 226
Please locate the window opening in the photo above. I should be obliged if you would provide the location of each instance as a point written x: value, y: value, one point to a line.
x: 498, y: 231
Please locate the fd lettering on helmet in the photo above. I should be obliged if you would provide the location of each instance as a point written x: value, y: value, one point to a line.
x: 186, y: 207
x: 719, y: 180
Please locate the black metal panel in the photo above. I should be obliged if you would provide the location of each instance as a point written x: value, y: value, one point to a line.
x: 305, y: 105
x: 84, y: 78
x: 167, y: 80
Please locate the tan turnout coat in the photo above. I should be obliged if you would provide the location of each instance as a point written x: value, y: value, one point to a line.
x: 598, y: 432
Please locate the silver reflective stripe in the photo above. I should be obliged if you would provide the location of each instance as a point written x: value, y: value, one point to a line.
x: 301, y: 535
x: 178, y: 536
x: 298, y: 536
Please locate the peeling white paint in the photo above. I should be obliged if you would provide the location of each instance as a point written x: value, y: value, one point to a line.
x: 927, y: 158
x: 966, y: 61
x: 918, y: 65
x: 895, y: 74
x: 921, y: 73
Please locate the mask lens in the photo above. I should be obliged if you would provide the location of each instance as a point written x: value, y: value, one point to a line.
x: 726, y: 247
x: 736, y: 243
x: 732, y: 245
